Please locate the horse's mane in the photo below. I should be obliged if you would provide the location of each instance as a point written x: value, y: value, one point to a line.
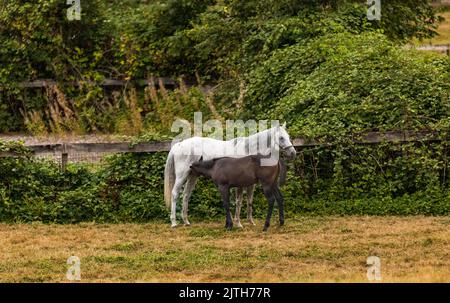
x: 246, y: 140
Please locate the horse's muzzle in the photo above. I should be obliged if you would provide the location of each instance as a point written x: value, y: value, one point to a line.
x: 291, y: 153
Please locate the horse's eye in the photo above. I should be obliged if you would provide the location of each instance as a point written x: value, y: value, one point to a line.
x: 281, y: 139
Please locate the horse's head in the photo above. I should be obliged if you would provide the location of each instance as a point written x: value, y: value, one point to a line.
x: 284, y: 141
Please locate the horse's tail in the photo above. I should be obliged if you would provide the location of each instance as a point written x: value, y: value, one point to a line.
x: 169, y: 179
x: 283, y: 171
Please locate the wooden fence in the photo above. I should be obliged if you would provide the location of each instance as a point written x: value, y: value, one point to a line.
x: 444, y: 48
x: 437, y: 3
x: 171, y: 83
x: 63, y: 150
x: 156, y: 81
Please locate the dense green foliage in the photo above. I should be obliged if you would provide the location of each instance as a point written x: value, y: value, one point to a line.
x: 319, y: 65
x: 343, y: 84
x: 134, y: 38
x: 218, y: 41
x: 128, y: 188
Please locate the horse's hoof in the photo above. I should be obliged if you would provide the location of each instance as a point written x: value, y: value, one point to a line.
x: 251, y: 222
x: 174, y: 225
x: 239, y: 225
x: 265, y: 229
x: 187, y: 223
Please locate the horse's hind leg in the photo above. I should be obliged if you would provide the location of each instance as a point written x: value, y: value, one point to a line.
x: 250, y: 190
x: 237, y: 214
x: 225, y: 191
x: 175, y: 194
x: 188, y: 188
x: 173, y: 211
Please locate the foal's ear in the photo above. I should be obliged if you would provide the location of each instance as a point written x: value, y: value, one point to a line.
x: 201, y: 159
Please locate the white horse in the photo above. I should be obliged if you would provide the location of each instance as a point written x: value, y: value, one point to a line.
x: 182, y: 154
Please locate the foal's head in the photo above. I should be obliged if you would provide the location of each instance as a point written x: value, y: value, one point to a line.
x: 202, y: 167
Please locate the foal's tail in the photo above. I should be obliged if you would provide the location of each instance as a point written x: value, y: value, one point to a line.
x: 283, y: 171
x: 169, y: 179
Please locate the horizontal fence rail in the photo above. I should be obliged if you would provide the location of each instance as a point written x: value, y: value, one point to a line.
x: 157, y: 81
x: 439, y: 3
x: 159, y: 146
x: 376, y: 137
x: 62, y: 150
x: 443, y: 48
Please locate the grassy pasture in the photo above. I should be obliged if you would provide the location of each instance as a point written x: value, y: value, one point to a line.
x: 307, y: 249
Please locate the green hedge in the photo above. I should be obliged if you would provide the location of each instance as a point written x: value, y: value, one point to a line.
x: 129, y: 187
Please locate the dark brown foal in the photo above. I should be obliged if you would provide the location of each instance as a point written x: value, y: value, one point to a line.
x: 242, y: 172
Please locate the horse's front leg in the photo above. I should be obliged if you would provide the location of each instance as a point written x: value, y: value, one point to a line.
x: 188, y: 188
x: 250, y: 191
x: 268, y: 192
x: 237, y: 214
x: 225, y: 192
x: 280, y: 201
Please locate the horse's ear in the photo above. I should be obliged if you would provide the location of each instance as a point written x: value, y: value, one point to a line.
x: 201, y: 159
x: 284, y: 125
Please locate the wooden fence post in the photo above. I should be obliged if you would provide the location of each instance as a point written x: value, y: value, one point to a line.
x: 64, y: 157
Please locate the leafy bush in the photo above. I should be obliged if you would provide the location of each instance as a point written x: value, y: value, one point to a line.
x: 343, y: 84
x: 219, y: 41
x: 319, y: 65
x: 129, y: 187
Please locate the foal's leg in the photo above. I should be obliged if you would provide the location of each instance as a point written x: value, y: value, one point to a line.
x: 237, y: 214
x: 250, y: 190
x: 188, y: 188
x: 268, y: 192
x: 225, y: 191
x: 280, y: 202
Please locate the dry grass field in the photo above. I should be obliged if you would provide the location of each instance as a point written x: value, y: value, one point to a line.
x: 330, y: 249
